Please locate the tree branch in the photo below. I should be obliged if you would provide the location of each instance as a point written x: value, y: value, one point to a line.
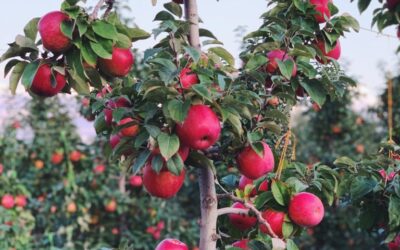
x: 110, y: 4
x: 252, y: 208
x: 232, y: 210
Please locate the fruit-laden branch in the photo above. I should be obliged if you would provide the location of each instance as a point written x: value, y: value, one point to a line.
x: 251, y: 207
x: 110, y: 4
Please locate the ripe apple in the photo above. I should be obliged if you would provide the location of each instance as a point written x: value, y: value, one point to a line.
x: 135, y: 181
x: 244, y: 181
x: 131, y: 130
x: 113, y: 104
x: 242, y: 244
x: 119, y: 65
x: 360, y: 148
x: 115, y: 231
x: 201, y: 128
x: 85, y: 102
x: 7, y: 201
x: 171, y: 244
x: 53, y: 209
x: 395, y: 244
x: 272, y: 65
x: 71, y: 207
x: 111, y: 206
x: 392, y: 4
x: 57, y: 158
x: 53, y: 38
x: 20, y: 200
x: 275, y: 220
x: 188, y: 78
x: 164, y: 184
x: 114, y: 140
x: 252, y: 165
x: 241, y: 221
x: 306, y: 209
x: 336, y: 129
x: 75, y: 156
x: 1, y: 168
x: 322, y: 9
x: 41, y: 84
x: 273, y: 101
x: 334, y: 53
x: 99, y: 169
x: 39, y: 164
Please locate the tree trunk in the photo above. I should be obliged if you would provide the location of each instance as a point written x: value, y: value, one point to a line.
x: 208, y: 196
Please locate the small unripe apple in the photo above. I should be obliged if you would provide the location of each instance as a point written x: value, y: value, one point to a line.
x: 171, y: 244
x: 7, y: 201
x: 119, y: 65
x: 111, y: 206
x: 306, y: 209
x: 242, y: 221
x: 242, y: 244
x: 42, y: 84
x: 188, y: 78
x: 322, y: 9
x: 57, y: 158
x: 201, y: 128
x: 71, y: 207
x: 275, y: 219
x: 75, y: 156
x: 135, y: 181
x: 254, y: 166
x: 163, y: 184
x: 131, y: 130
x: 272, y: 65
x: 20, y: 200
x: 99, y: 169
x: 53, y: 38
x: 334, y: 53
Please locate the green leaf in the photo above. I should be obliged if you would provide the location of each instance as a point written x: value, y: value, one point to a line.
x: 290, y: 245
x: 300, y: 5
x: 29, y: 73
x: 137, y: 34
x: 286, y: 68
x: 168, y: 144
x: 193, y: 53
x: 287, y: 230
x: 10, y: 64
x: 174, y: 8
x: 100, y: 124
x: 178, y: 110
x: 202, y: 91
x: 154, y: 131
x: 199, y: 160
x: 157, y: 162
x: 256, y: 62
x: 263, y: 199
x: 224, y: 54
x: 31, y: 28
x: 163, y: 16
x: 206, y: 33
x: 361, y: 186
x: 394, y: 211
x: 100, y: 50
x: 175, y: 164
x: 123, y: 41
x: 316, y: 91
x: 345, y: 161
x: 16, y: 76
x: 89, y: 56
x: 280, y: 192
x: 363, y: 5
x: 82, y: 26
x: 25, y: 42
x: 140, y: 161
x: 67, y: 28
x: 105, y: 30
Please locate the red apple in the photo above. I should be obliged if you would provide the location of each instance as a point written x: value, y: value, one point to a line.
x: 41, y: 84
x: 85, y: 102
x: 395, y: 244
x: 111, y: 206
x: 334, y: 53
x: 114, y: 140
x: 130, y: 131
x: 188, y: 78
x: 164, y: 184
x: 57, y: 158
x: 392, y: 4
x: 115, y: 231
x: 275, y: 219
x: 1, y: 168
x: 7, y: 201
x: 135, y: 181
x: 171, y: 244
x: 16, y: 124
x: 201, y: 128
x: 254, y: 166
x: 113, y: 104
x: 241, y: 221
x: 306, y: 209
x: 53, y: 38
x: 20, y: 200
x: 242, y: 244
x: 75, y: 156
x: 119, y: 65
x: 272, y: 65
x: 244, y: 181
x: 99, y: 169
x: 322, y: 9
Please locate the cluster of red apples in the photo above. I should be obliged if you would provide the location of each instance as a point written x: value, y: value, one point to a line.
x: 48, y: 81
x: 8, y: 201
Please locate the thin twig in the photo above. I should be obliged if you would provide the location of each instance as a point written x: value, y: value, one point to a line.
x: 232, y: 210
x: 96, y: 9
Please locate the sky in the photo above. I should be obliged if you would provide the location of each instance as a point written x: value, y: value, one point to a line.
x: 366, y: 54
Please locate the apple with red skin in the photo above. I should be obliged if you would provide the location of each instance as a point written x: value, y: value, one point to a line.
x: 49, y: 27
x: 99, y: 169
x: 130, y: 131
x: 322, y: 9
x: 1, y: 168
x: 244, y: 181
x: 120, y: 63
x: 395, y: 244
x: 201, y: 128
x: 115, y: 139
x: 57, y: 158
x: 111, y: 206
x: 115, y: 231
x: 252, y: 165
x: 171, y: 244
x: 7, y: 201
x: 75, y: 156
x: 120, y: 102
x: 242, y: 244
x: 334, y: 53
x: 41, y: 84
x: 275, y: 219
x: 306, y: 209
x: 20, y: 200
x: 272, y: 65
x: 188, y: 78
x: 392, y: 4
x: 163, y: 184
x: 135, y: 181
x: 241, y: 221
